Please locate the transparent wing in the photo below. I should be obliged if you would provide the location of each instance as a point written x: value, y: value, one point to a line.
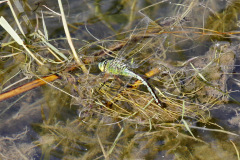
x: 152, y: 39
x: 150, y: 44
x: 133, y: 43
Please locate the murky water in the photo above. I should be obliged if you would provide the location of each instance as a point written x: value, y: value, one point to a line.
x: 186, y: 46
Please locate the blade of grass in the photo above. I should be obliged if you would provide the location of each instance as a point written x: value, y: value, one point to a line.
x: 22, y: 13
x: 12, y: 84
x: 10, y: 30
x: 79, y: 61
x: 198, y: 72
x: 187, y: 127
x: 40, y: 35
x: 15, y: 36
x: 200, y: 128
x: 101, y: 145
x: 235, y: 147
x: 44, y: 27
x: 60, y: 61
x: 183, y: 110
x: 15, y: 18
x: 184, y: 122
x: 115, y: 142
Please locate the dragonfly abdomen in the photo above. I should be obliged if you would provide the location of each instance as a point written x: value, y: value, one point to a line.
x: 149, y: 89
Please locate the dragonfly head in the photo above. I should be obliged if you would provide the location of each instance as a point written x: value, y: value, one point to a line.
x: 101, y: 65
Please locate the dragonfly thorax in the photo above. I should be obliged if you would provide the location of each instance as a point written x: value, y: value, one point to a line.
x: 113, y: 67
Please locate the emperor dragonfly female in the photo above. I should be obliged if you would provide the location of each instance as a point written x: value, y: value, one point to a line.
x: 117, y: 67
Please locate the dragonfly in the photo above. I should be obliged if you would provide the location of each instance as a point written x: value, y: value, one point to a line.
x: 118, y: 67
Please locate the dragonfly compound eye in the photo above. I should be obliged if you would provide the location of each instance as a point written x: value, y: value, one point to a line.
x: 101, y: 66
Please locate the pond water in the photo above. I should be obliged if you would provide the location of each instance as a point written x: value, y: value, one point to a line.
x: 188, y: 52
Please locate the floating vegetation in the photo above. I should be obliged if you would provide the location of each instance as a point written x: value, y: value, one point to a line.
x: 182, y: 57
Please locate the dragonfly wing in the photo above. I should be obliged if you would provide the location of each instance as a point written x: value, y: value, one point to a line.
x: 134, y: 41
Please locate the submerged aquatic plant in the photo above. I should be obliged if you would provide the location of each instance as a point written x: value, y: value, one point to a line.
x: 90, y: 116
